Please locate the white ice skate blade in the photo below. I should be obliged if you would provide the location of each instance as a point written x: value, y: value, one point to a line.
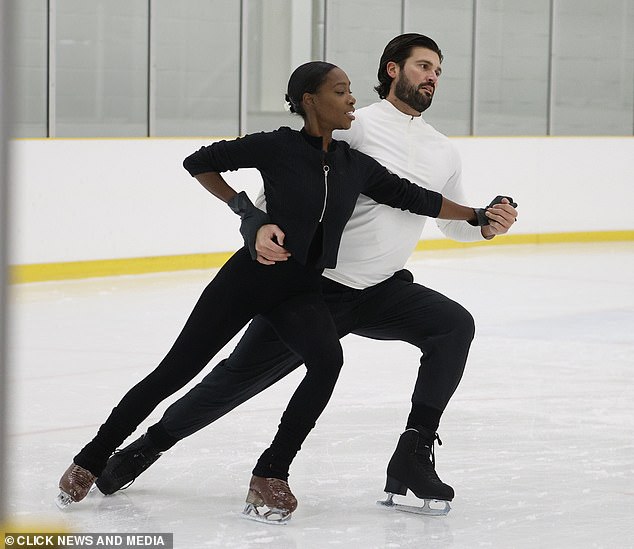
x: 425, y: 509
x: 251, y: 512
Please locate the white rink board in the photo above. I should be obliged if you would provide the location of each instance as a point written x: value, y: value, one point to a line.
x: 76, y: 200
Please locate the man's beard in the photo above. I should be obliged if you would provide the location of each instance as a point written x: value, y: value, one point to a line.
x: 409, y: 94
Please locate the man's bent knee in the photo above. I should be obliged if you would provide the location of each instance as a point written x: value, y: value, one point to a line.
x: 465, y: 324
x: 327, y: 361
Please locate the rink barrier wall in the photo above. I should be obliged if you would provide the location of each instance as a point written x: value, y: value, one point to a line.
x: 21, y: 274
x: 98, y: 207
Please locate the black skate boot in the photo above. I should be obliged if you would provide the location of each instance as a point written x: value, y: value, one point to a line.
x: 413, y: 467
x: 125, y: 465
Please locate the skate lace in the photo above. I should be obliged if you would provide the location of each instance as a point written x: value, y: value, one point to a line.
x: 138, y: 460
x: 276, y: 493
x: 279, y: 489
x: 81, y: 477
x: 428, y: 456
x: 124, y: 469
x: 432, y: 453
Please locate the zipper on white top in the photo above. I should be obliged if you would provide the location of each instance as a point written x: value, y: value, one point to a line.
x: 326, y: 169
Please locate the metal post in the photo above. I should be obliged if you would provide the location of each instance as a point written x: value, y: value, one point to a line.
x: 5, y: 23
x: 551, y: 63
x: 244, y: 63
x: 151, y: 76
x: 474, y: 69
x: 51, y: 68
x: 325, y: 35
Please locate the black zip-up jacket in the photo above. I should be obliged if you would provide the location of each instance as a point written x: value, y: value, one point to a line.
x: 305, y: 186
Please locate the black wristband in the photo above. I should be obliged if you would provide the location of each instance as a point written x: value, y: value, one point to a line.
x: 481, y: 219
x: 240, y: 203
x: 252, y: 219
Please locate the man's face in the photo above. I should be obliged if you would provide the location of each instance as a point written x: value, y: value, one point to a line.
x: 416, y: 82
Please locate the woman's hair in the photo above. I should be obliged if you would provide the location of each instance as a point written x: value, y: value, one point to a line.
x: 306, y: 79
x: 398, y: 50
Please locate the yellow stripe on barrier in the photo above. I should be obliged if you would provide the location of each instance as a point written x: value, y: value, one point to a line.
x: 20, y: 274
x: 543, y: 238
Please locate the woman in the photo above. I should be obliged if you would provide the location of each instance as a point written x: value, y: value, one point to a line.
x: 311, y: 184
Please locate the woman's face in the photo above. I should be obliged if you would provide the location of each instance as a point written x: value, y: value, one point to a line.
x: 333, y: 103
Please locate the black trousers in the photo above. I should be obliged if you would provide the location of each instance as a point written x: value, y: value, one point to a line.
x: 288, y: 295
x: 396, y: 309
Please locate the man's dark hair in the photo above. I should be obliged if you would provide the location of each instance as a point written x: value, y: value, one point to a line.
x: 398, y: 50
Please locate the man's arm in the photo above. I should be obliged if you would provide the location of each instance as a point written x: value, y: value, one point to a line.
x: 502, y: 215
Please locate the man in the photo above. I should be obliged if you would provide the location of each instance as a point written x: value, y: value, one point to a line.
x: 369, y: 293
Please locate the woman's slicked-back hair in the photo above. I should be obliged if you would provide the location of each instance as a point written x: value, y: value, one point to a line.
x: 398, y: 50
x: 306, y: 79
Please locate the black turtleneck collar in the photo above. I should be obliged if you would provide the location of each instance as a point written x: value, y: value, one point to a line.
x: 317, y: 141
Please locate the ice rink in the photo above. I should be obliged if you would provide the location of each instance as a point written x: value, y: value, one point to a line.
x: 538, y: 440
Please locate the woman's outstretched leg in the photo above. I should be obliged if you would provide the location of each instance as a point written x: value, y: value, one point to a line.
x: 305, y: 325
x: 221, y: 311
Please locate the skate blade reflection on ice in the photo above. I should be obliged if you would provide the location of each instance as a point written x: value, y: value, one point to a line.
x: 272, y: 516
x: 425, y: 509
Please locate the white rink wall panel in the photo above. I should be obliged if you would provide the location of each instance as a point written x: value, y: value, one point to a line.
x: 82, y: 200
x: 562, y: 184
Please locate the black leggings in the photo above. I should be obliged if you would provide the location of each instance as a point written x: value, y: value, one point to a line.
x: 288, y: 296
x: 396, y: 309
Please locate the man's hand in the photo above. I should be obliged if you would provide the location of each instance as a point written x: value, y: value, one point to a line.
x: 269, y: 243
x: 501, y: 217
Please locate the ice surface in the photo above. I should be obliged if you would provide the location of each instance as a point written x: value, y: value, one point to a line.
x: 538, y: 440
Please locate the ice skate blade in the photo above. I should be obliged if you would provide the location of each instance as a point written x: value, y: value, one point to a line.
x: 272, y: 516
x: 63, y: 500
x: 425, y: 509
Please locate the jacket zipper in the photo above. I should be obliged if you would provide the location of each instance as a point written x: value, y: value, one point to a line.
x: 326, y: 169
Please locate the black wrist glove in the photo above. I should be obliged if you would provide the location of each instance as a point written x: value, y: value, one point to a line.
x: 481, y: 218
x: 252, y: 219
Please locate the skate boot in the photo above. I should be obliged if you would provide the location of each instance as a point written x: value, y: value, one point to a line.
x: 273, y: 493
x: 413, y: 467
x: 125, y: 465
x: 74, y: 485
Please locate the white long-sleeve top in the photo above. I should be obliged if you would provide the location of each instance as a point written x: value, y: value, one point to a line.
x: 378, y: 239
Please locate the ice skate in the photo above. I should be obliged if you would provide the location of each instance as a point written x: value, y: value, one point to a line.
x: 412, y: 467
x: 275, y: 495
x: 125, y: 465
x: 74, y: 485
